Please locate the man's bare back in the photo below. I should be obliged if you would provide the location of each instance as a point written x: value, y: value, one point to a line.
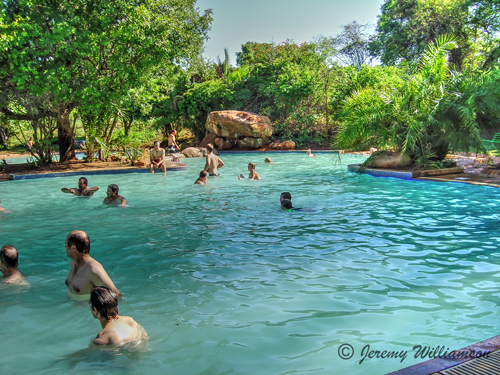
x: 119, y: 331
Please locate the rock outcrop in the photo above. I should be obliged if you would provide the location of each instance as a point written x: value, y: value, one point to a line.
x: 389, y: 159
x: 286, y: 145
x: 194, y: 152
x: 245, y: 130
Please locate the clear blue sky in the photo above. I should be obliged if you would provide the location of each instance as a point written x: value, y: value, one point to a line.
x: 236, y: 22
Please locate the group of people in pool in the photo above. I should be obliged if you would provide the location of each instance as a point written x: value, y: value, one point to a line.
x: 112, y: 196
x: 86, y: 277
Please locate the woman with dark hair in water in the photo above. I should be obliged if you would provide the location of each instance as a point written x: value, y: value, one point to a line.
x: 116, y: 329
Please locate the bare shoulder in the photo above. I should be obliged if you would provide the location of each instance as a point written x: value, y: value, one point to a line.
x: 94, y: 266
x: 106, y: 337
x: 129, y: 321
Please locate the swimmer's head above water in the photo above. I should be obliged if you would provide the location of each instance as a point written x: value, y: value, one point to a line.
x: 285, y: 195
x: 286, y: 204
x: 9, y: 256
x: 104, y: 301
x: 80, y: 240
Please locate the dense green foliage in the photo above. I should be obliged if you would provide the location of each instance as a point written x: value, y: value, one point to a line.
x: 103, y: 65
x: 97, y: 56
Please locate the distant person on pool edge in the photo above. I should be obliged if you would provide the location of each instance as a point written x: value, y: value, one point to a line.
x: 113, y: 199
x: 85, y: 272
x: 9, y: 261
x: 82, y: 189
x: 202, y: 180
x: 213, y: 162
x: 157, y: 158
x: 116, y: 329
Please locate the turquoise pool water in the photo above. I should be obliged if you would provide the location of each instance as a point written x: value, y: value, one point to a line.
x: 224, y: 281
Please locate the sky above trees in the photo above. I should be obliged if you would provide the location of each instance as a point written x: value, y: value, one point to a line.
x: 236, y: 22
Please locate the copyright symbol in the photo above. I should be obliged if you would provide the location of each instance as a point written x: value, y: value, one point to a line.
x: 346, y: 351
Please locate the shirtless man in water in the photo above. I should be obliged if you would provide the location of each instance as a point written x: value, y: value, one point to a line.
x: 9, y: 263
x: 116, y: 329
x: 113, y: 199
x: 213, y: 162
x: 82, y: 190
x: 85, y: 272
x: 157, y: 158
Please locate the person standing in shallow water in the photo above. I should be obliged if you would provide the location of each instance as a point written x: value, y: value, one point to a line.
x: 9, y: 261
x: 213, y: 162
x: 85, y: 272
x: 116, y: 329
x: 252, y: 175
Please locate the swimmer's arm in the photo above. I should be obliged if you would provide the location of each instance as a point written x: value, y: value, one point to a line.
x: 221, y: 163
x: 207, y: 164
x: 123, y: 202
x: 95, y: 188
x: 99, y: 277
x: 68, y: 190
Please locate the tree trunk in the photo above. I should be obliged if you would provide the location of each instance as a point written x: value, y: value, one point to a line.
x: 65, y: 135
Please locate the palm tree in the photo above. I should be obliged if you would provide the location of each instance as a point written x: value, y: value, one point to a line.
x: 422, y: 113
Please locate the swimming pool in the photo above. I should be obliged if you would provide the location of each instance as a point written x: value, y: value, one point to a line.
x: 224, y: 281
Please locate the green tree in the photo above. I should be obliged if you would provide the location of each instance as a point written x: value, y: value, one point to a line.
x: 406, y: 27
x: 425, y: 113
x: 90, y: 54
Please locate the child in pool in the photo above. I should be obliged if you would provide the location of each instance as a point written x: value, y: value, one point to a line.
x: 116, y: 329
x: 252, y: 175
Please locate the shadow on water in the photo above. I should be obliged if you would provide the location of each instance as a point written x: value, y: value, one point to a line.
x: 107, y: 359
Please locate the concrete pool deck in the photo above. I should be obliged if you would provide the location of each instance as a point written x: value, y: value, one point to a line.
x: 477, y: 359
x: 88, y: 170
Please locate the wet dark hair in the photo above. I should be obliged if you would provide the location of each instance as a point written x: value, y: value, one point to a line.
x: 105, y: 301
x: 8, y: 256
x: 203, y: 173
x: 286, y: 204
x: 81, y: 241
x: 114, y: 188
x: 286, y: 195
x: 210, y: 147
x: 84, y: 179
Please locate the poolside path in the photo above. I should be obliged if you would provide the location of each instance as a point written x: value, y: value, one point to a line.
x: 23, y: 171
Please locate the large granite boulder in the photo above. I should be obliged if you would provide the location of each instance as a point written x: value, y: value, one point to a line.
x: 250, y: 142
x: 209, y: 138
x: 278, y: 145
x: 235, y: 124
x: 194, y: 152
x: 389, y: 159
